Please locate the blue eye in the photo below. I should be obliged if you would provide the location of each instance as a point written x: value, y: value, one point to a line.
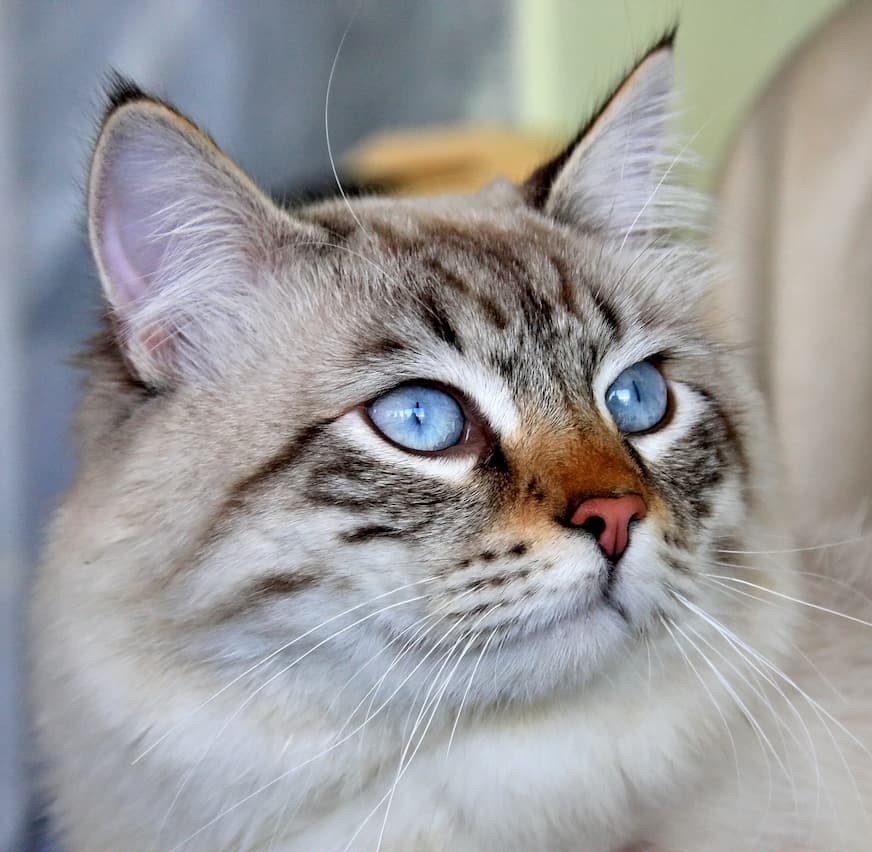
x: 418, y: 418
x: 637, y: 399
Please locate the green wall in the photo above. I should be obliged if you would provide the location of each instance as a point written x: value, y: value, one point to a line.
x: 570, y: 52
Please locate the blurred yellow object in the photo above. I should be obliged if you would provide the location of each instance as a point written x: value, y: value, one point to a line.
x: 447, y: 160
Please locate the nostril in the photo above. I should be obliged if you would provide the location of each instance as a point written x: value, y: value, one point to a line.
x: 595, y: 525
x: 607, y: 520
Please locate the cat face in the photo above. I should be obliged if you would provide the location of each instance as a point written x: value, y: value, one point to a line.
x: 254, y: 432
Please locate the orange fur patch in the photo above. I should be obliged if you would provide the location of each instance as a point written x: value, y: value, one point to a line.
x: 556, y: 470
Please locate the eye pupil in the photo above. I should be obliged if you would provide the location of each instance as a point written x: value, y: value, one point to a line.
x: 417, y: 417
x: 638, y: 398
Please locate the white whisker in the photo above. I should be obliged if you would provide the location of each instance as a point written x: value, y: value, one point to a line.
x: 780, y: 724
x: 782, y: 595
x: 403, y: 764
x: 675, y: 160
x: 711, y: 696
x: 808, y: 549
x: 466, y: 692
x: 327, y: 121
x: 284, y: 670
x: 272, y: 655
x: 821, y: 712
x: 269, y: 784
x: 418, y: 632
x: 814, y: 575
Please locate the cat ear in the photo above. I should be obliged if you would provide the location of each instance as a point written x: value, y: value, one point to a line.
x: 176, y: 230
x: 609, y: 179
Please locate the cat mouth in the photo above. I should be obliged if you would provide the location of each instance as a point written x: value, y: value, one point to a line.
x: 584, y: 591
x: 575, y: 612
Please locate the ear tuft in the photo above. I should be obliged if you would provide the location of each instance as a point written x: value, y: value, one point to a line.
x: 121, y: 90
x: 176, y: 230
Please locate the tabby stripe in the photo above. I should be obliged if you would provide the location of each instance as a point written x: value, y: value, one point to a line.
x: 277, y: 585
x: 287, y: 456
x: 273, y: 466
x: 490, y: 309
x: 732, y: 433
x: 493, y: 313
x: 488, y: 245
x: 676, y: 564
x: 385, y: 347
x: 567, y: 285
x: 446, y: 276
x: 537, y: 310
x: 437, y: 319
x: 610, y: 317
x: 368, y: 533
x: 262, y: 591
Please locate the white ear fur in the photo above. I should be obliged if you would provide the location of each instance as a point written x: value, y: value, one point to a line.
x: 614, y: 178
x: 175, y: 229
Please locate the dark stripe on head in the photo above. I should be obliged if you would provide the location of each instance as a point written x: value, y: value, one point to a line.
x: 383, y: 347
x: 676, y: 564
x: 566, y: 284
x: 609, y: 315
x: 483, y: 245
x: 492, y: 312
x: 445, y: 276
x: 505, y: 365
x: 342, y: 482
x: 392, y: 240
x: 490, y: 309
x: 278, y: 585
x: 437, y: 319
x: 537, y: 309
x: 355, y: 481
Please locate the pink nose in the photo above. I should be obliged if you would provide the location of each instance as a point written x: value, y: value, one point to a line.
x: 607, y: 519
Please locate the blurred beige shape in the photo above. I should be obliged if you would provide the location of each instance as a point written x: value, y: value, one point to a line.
x: 796, y: 226
x: 447, y: 160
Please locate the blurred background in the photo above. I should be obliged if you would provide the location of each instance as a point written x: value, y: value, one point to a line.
x: 495, y: 83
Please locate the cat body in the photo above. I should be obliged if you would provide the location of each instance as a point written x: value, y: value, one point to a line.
x: 263, y: 623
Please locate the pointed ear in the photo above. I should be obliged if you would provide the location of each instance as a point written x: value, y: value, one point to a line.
x: 608, y: 180
x: 176, y: 230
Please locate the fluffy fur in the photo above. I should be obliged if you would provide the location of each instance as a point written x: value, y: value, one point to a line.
x: 260, y: 625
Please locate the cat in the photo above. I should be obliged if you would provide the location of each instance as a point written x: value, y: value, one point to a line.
x: 429, y: 524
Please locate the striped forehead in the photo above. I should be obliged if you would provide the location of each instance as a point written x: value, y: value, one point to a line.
x: 522, y: 320
x: 530, y: 320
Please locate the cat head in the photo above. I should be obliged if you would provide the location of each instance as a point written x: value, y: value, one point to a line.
x: 493, y: 431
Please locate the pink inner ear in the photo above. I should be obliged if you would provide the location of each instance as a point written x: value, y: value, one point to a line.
x: 130, y: 251
x: 170, y: 224
x: 128, y: 285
